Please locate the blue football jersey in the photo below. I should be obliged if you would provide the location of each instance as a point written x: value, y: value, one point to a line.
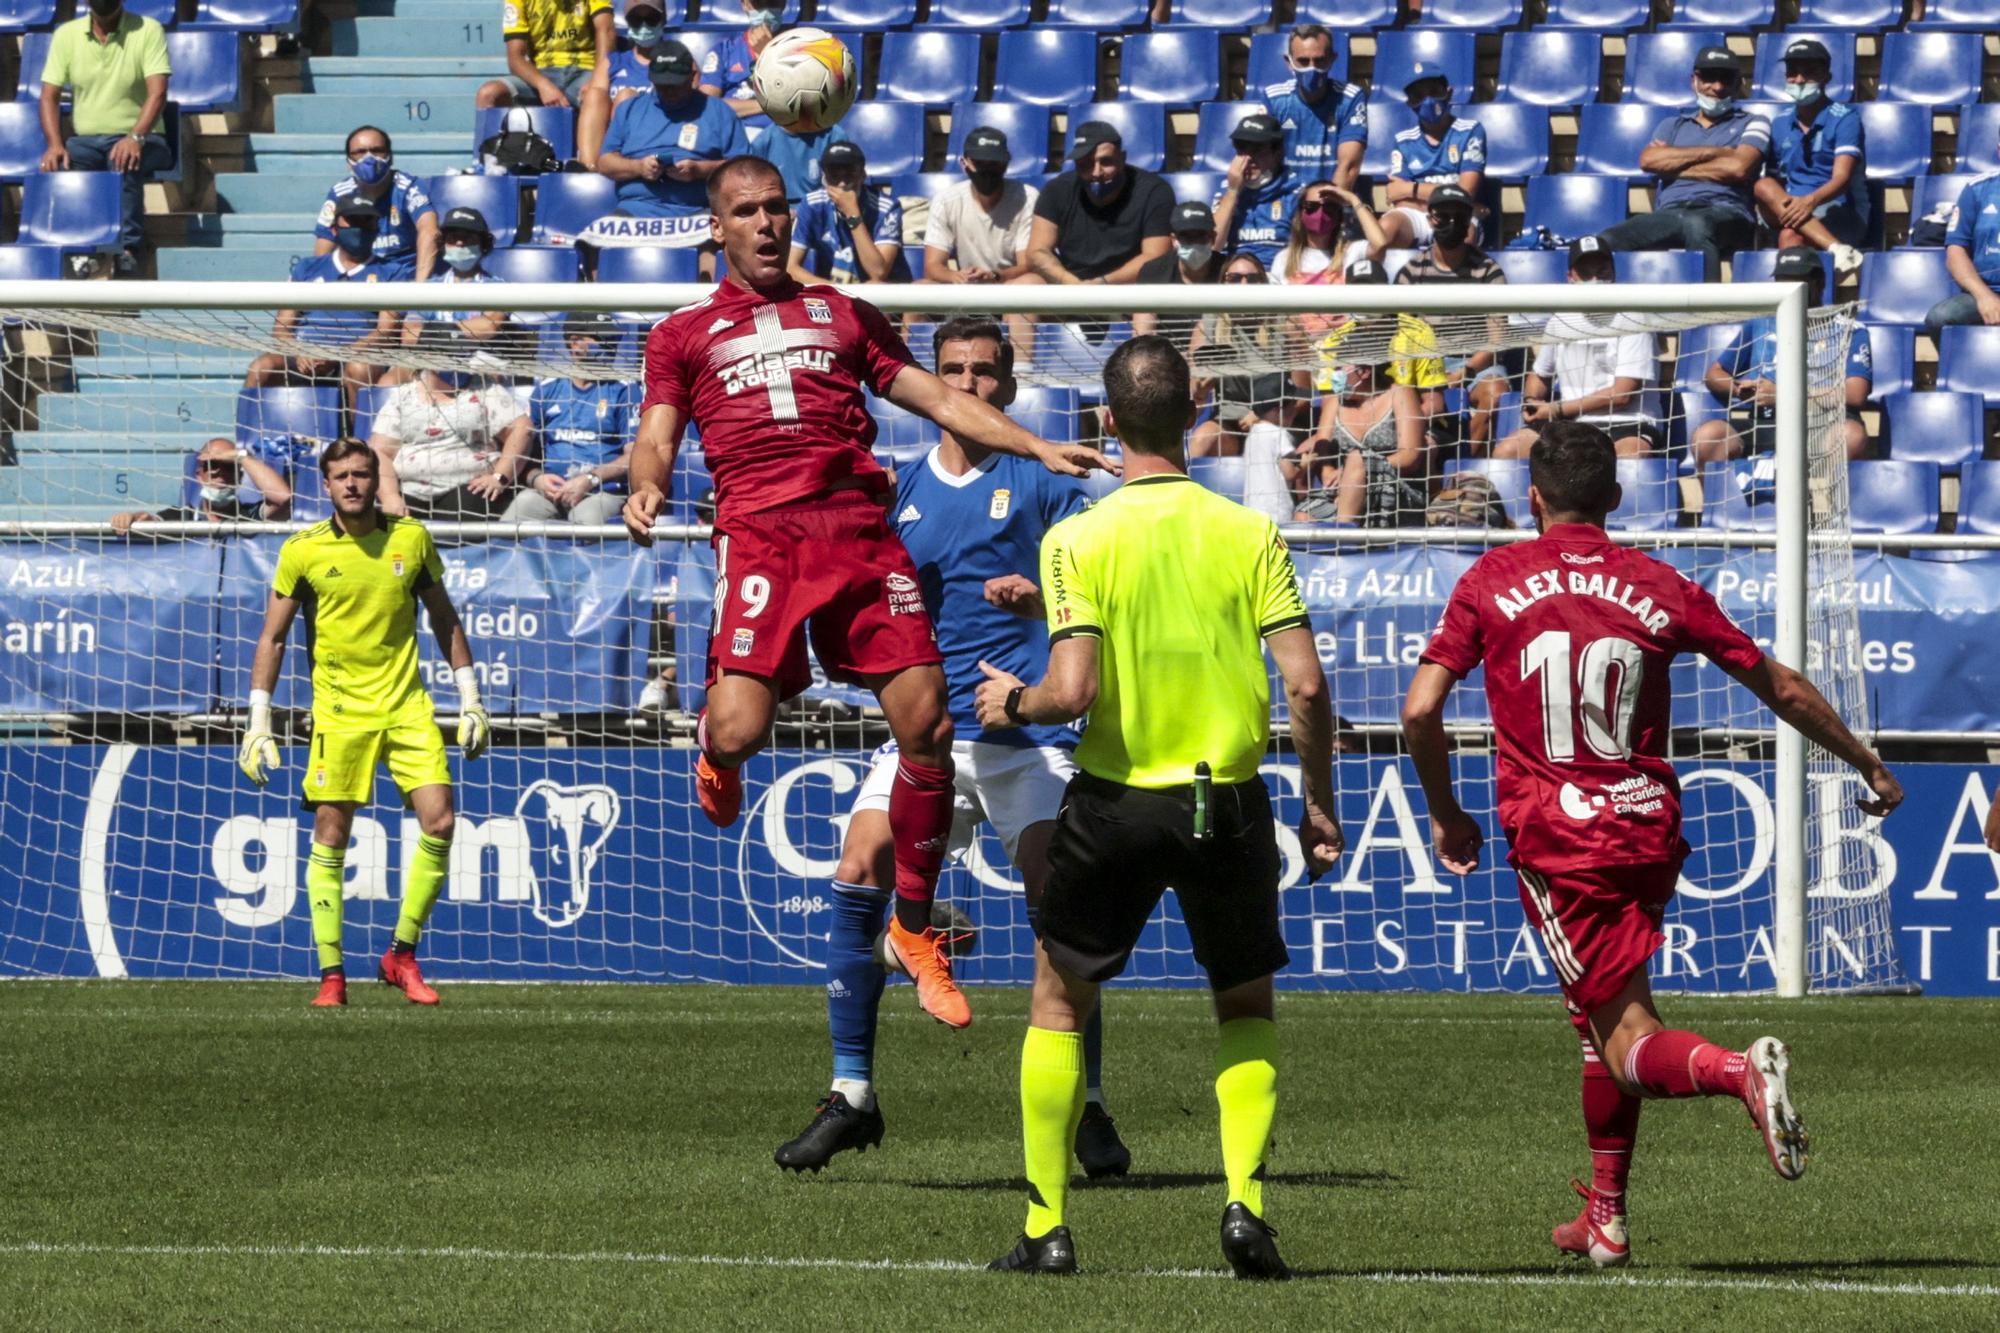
x: 583, y: 427
x: 962, y: 531
x: 402, y: 207
x: 1462, y: 149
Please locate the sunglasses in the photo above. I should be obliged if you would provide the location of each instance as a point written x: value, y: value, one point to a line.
x: 1233, y: 278
x: 1314, y: 207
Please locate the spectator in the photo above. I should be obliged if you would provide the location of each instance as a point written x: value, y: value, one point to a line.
x: 1194, y: 261
x: 1451, y: 257
x: 116, y: 68
x: 850, y: 229
x: 1101, y: 222
x: 1239, y: 362
x: 1325, y: 124
x: 452, y: 446
x: 219, y: 469
x: 1604, y: 381
x: 354, y: 332
x: 796, y: 156
x: 630, y: 75
x: 662, y: 149
x: 1412, y: 346
x: 406, y: 237
x: 1253, y: 212
x: 467, y: 242
x: 555, y: 48
x: 1367, y: 461
x: 1312, y: 257
x: 978, y: 229
x: 1440, y: 149
x: 1706, y: 162
x: 586, y: 425
x: 1815, y: 191
x: 1743, y: 377
x: 1972, y: 254
x: 725, y: 70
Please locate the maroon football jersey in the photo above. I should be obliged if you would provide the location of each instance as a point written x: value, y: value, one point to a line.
x: 774, y: 388
x: 1576, y: 634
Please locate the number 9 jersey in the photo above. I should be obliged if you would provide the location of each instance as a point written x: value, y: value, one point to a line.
x: 1577, y: 634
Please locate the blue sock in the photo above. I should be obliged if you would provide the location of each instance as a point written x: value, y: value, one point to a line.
x: 854, y: 980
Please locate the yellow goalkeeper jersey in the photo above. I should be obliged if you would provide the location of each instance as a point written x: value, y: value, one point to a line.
x: 359, y: 599
x: 558, y: 31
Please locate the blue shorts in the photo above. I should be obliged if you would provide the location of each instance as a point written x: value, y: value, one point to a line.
x: 1848, y: 224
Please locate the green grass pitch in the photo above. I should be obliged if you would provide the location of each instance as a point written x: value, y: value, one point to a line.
x: 216, y: 1155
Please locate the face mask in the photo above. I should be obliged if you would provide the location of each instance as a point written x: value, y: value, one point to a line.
x: 216, y: 495
x: 1803, y: 93
x: 1319, y: 222
x: 767, y: 18
x: 1310, y: 81
x: 1360, y: 381
x: 356, y: 241
x: 1713, y: 106
x: 1431, y: 110
x: 1451, y: 232
x: 463, y: 258
x: 1100, y: 191
x: 372, y: 170
x: 591, y: 354
x: 1194, y: 256
x: 986, y: 180
x: 643, y: 34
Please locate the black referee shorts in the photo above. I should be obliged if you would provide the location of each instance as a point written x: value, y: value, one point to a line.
x: 1116, y: 849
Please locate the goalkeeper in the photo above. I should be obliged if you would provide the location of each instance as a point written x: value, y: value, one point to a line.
x: 358, y: 577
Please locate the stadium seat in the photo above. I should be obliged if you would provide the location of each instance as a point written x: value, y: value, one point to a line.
x: 1396, y: 52
x: 1940, y: 427
x: 21, y: 142
x: 1758, y: 265
x: 1899, y: 139
x: 1533, y: 266
x: 557, y: 124
x: 248, y: 15
x: 1046, y: 66
x: 30, y: 263
x: 498, y: 199
x: 1893, y: 351
x: 872, y: 14
x: 1660, y: 65
x: 1348, y: 16
x: 1697, y: 349
x: 1510, y: 482
x: 1549, y: 67
x: 1097, y: 15
x: 1737, y: 15
x: 1190, y: 186
x: 1979, y: 497
x: 277, y: 415
x: 1574, y: 205
x: 978, y: 13
x: 1892, y: 495
x: 1900, y: 286
x: 1143, y: 126
x: 165, y: 11
x: 1740, y: 496
x: 1769, y: 78
x: 1652, y: 498
x: 1044, y: 411
x: 1224, y: 476
x: 310, y: 503
x: 1221, y: 13
x: 77, y: 210
x: 1858, y: 14
x: 649, y: 263
x: 533, y: 263
x: 1931, y: 68
x: 208, y: 70
x: 1978, y: 138
x: 1611, y: 135
x: 1614, y: 15
x: 1517, y: 138
x: 1213, y: 125
x: 1928, y: 192
x: 1474, y: 15
x: 1969, y: 361
x: 1671, y: 266
x: 34, y: 54
x: 1026, y: 128
x: 1386, y: 119
x: 891, y: 134
x: 1267, y: 61
x: 932, y: 68
x: 1176, y: 68
x: 928, y: 185
x: 1956, y: 15
x: 27, y: 15
x: 570, y: 201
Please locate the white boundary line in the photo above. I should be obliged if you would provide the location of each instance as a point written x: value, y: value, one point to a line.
x: 60, y: 1249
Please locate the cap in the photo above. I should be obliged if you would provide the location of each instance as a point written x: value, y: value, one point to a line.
x: 357, y: 205
x: 672, y: 64
x: 1192, y: 216
x: 986, y: 144
x: 1797, y: 263
x: 598, y: 325
x: 1808, y: 48
x: 643, y: 6
x: 1450, y: 196
x: 1368, y: 272
x: 1718, y: 57
x: 1091, y: 135
x: 465, y: 219
x: 843, y: 154
x: 1424, y: 70
x: 1587, y: 245
x: 1258, y: 128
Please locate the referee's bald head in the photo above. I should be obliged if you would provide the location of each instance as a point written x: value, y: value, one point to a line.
x: 1146, y: 385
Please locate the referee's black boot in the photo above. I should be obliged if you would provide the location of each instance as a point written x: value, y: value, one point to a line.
x: 1098, y: 1146
x: 1250, y: 1246
x: 837, y: 1125
x: 1054, y: 1253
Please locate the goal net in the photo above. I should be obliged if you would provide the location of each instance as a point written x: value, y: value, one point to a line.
x: 1382, y: 426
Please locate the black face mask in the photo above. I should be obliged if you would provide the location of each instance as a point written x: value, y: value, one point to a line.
x: 1451, y: 231
x: 986, y: 180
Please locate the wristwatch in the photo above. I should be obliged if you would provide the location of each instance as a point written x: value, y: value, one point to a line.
x: 851, y: 222
x: 1014, y: 713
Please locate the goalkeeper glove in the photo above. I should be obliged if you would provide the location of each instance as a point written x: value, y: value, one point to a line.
x: 473, y: 729
x: 259, y: 750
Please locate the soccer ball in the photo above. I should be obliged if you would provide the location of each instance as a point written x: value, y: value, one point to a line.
x: 961, y: 938
x: 805, y: 80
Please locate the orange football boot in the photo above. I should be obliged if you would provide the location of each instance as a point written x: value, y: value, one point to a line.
x: 923, y: 956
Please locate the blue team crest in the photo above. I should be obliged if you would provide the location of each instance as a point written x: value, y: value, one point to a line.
x: 1003, y: 500
x: 1452, y: 152
x: 603, y: 406
x: 818, y: 311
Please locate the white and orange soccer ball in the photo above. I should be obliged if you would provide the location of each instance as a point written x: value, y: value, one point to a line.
x: 805, y: 80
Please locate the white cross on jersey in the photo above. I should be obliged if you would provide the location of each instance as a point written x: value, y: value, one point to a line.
x: 769, y: 343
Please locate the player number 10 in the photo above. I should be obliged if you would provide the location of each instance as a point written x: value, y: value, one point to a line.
x: 1607, y: 718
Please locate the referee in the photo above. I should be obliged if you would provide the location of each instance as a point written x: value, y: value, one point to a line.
x: 1160, y: 600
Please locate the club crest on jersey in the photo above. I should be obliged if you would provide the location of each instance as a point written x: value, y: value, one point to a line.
x: 742, y: 643
x: 818, y: 311
x: 396, y: 565
x: 1003, y: 500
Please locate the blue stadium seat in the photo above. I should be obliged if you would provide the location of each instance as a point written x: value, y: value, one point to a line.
x: 1899, y: 139
x: 1956, y: 15
x: 1927, y: 193
x: 533, y: 263
x: 1697, y: 349
x: 165, y: 11
x: 248, y: 15
x: 1268, y: 65
x: 1549, y: 67
x: 30, y: 263
x: 1933, y: 68
x: 1676, y: 266
x: 1769, y: 78
x: 21, y: 143
x: 1517, y: 138
x: 1940, y: 427
x: 1348, y: 16
x: 929, y: 185
x: 875, y: 14
x: 1892, y: 495
x: 557, y: 124
x: 1660, y: 65
x: 310, y: 503
x: 1097, y: 15
x: 1177, y: 68
x: 1386, y: 119
x: 1143, y: 126
x: 1871, y: 14
x: 208, y: 70
x: 1224, y: 476
x: 1738, y: 15
x: 268, y: 416
x: 27, y: 15
x: 1213, y: 126
x: 1189, y: 186
x: 1510, y: 481
x: 1526, y: 267
x: 1222, y: 13
x: 648, y: 263
x: 933, y: 68
x: 1575, y: 205
x: 1611, y: 135
x: 978, y: 13
x: 1979, y: 497
x: 498, y: 199
x: 1894, y: 353
x: 34, y: 53
x: 1397, y: 52
x: 1978, y: 138
x: 1900, y: 286
x: 891, y: 134
x: 1026, y: 128
x: 1758, y: 265
x: 1047, y: 412
x: 1046, y: 66
x: 901, y: 434
x: 77, y: 210
x: 568, y: 202
x: 1614, y: 15
x: 1969, y: 361
x: 1476, y: 15
x: 1740, y: 497
x: 1652, y: 498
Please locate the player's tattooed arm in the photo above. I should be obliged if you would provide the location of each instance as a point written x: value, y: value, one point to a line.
x: 1454, y: 833
x: 917, y: 390
x: 652, y: 473
x: 1799, y: 703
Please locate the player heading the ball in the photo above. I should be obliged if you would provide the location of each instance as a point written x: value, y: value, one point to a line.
x: 1577, y: 634
x: 358, y: 576
x: 771, y: 373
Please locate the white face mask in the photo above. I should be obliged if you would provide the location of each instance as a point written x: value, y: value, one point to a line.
x: 1714, y: 106
x: 1194, y: 256
x: 463, y: 258
x: 1803, y: 93
x: 216, y: 495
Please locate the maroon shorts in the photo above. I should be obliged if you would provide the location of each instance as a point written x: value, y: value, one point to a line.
x: 1599, y: 926
x: 832, y: 563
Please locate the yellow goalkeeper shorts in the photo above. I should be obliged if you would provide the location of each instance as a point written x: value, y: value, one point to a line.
x: 341, y: 764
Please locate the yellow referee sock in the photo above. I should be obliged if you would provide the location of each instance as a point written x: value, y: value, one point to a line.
x: 1051, y: 1105
x: 1246, y: 1090
x: 424, y: 881
x: 323, y: 889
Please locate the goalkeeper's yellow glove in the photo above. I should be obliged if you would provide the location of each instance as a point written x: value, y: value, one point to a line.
x: 259, y: 750
x: 474, y: 731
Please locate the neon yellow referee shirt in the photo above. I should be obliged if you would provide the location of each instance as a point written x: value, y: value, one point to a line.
x: 1180, y: 586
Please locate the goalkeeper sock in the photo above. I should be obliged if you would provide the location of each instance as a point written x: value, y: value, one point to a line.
x: 1684, y: 1064
x: 1093, y: 1054
x: 1051, y: 1105
x: 422, y: 883
x: 323, y: 890
x: 1246, y: 1090
x: 920, y: 802
x: 854, y: 982
x: 1611, y: 1123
